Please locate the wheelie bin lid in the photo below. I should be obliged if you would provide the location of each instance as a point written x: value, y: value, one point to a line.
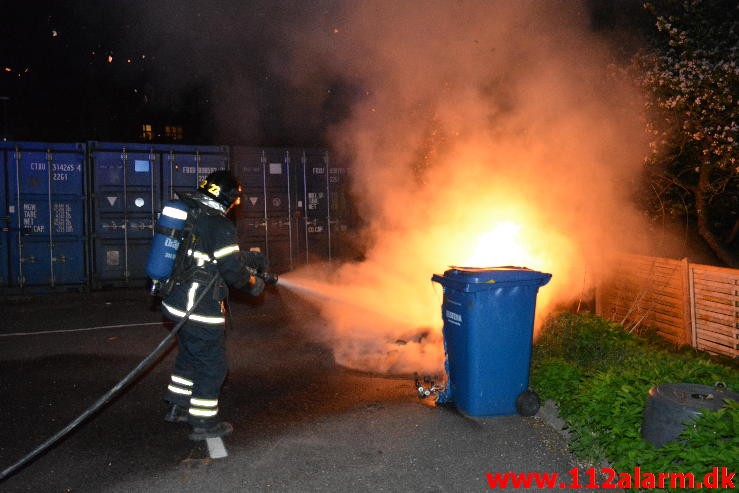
x: 469, y: 279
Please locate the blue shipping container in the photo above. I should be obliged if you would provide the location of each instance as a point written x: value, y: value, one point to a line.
x: 126, y: 194
x: 46, y: 214
x: 82, y: 214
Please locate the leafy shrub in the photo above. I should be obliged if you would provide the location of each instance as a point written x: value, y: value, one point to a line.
x: 600, y: 376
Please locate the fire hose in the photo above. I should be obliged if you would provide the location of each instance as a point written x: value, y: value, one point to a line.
x: 267, y: 277
x: 115, y: 389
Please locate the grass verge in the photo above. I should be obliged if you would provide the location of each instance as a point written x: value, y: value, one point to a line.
x: 599, y: 377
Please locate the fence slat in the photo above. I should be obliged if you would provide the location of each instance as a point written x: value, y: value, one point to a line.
x: 712, y: 305
x: 710, y: 326
x: 713, y: 347
x: 716, y: 287
x: 727, y: 320
x: 717, y: 275
x: 721, y: 298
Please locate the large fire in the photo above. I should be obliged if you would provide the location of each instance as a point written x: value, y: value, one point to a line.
x: 384, y: 314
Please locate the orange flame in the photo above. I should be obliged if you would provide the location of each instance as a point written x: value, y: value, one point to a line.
x: 500, y: 246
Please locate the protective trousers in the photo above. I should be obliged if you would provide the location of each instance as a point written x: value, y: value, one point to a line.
x: 199, y: 371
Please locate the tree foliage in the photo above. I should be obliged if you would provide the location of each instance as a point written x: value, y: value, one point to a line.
x: 690, y: 76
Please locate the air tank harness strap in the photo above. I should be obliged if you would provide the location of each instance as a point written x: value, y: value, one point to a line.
x: 171, y: 232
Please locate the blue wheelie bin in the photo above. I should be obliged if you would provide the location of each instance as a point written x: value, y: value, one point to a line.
x: 488, y: 329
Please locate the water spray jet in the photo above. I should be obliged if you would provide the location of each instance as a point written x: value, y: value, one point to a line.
x: 365, y: 331
x: 323, y: 292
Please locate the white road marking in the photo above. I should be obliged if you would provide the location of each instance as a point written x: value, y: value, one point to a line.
x: 216, y: 448
x: 62, y: 331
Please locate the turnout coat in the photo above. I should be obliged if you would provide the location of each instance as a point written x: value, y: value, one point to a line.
x: 212, y: 251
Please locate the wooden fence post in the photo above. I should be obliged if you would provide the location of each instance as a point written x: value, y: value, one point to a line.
x: 688, y: 311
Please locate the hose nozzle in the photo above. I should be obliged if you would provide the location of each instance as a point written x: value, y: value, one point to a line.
x: 268, y: 277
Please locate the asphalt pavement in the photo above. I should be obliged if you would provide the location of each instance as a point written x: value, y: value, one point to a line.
x: 302, y: 423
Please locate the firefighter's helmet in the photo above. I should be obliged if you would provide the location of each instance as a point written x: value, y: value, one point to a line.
x: 222, y: 187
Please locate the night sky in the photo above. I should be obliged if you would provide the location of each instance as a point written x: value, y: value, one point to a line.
x: 80, y: 70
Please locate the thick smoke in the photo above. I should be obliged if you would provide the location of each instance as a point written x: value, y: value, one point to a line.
x: 474, y: 122
x: 477, y: 133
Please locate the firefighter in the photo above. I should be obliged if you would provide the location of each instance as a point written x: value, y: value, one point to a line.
x: 200, y: 367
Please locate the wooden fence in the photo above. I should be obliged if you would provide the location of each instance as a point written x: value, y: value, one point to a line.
x: 685, y: 303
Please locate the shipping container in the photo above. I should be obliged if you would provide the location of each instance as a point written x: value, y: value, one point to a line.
x: 126, y: 195
x: 81, y: 215
x: 45, y: 190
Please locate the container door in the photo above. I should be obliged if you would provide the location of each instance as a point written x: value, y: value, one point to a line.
x: 126, y: 195
x: 46, y: 211
x: 4, y: 217
x: 314, y: 202
x: 247, y: 165
x: 184, y: 167
x: 264, y: 219
x: 279, y: 208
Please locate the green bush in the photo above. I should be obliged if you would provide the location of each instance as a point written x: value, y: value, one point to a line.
x: 599, y: 376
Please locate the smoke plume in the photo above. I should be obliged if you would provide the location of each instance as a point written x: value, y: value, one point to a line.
x: 482, y: 133
x: 477, y: 133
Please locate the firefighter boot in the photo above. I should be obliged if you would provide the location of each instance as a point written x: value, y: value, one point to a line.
x: 215, y: 429
x: 176, y: 414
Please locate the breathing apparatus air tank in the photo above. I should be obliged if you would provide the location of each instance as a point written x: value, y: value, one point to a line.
x: 167, y: 234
